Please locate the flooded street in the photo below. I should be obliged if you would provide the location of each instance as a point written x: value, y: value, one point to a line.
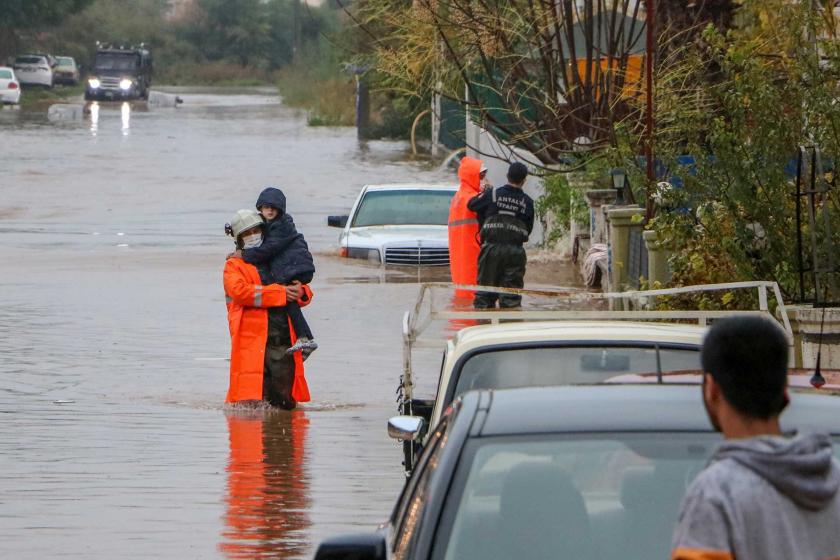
x: 114, y: 339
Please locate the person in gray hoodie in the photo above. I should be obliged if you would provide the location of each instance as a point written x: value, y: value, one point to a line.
x: 765, y: 495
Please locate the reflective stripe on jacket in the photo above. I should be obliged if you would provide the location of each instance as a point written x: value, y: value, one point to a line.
x: 247, y: 304
x: 463, y: 225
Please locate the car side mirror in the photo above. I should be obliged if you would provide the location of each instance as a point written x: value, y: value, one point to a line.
x: 337, y: 221
x: 352, y: 547
x: 405, y: 428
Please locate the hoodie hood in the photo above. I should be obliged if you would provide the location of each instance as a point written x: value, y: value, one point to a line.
x: 468, y: 173
x: 272, y: 197
x: 802, y: 467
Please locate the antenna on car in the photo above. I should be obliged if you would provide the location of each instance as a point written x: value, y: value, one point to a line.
x: 817, y: 380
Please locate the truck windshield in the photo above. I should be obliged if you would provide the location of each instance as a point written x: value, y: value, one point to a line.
x: 403, y: 207
x: 114, y: 61
x: 568, y: 365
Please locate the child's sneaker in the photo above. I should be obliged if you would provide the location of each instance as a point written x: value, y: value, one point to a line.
x: 305, y: 345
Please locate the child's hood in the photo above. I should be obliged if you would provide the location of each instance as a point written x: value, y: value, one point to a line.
x: 272, y: 197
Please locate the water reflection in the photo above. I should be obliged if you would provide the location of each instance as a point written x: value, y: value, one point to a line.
x: 268, y: 485
x: 94, y: 117
x: 125, y: 114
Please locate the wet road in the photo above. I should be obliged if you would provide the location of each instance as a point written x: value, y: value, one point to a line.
x: 113, y: 336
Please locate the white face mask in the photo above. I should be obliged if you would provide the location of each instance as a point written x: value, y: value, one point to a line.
x: 251, y: 241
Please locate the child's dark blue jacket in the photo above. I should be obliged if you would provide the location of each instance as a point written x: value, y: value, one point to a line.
x: 282, y: 244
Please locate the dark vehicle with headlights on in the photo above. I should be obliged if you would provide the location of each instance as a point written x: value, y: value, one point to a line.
x: 576, y: 472
x: 120, y: 73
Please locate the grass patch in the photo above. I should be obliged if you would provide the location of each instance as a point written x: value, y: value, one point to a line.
x: 223, y: 74
x: 34, y: 96
x: 328, y: 96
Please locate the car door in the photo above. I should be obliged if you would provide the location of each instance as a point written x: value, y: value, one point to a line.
x: 410, y: 508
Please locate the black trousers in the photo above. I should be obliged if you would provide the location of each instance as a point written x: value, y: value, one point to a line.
x: 299, y: 323
x: 279, y: 367
x: 500, y: 265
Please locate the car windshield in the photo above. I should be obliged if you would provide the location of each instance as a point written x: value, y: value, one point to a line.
x: 5, y: 75
x: 568, y: 365
x: 62, y: 61
x: 581, y: 497
x: 113, y: 61
x: 403, y: 207
x: 29, y: 60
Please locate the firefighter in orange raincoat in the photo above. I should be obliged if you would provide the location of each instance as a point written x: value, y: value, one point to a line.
x: 260, y: 330
x: 464, y: 244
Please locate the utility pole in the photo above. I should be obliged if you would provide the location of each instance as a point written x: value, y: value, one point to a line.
x: 296, y: 25
x: 650, y: 8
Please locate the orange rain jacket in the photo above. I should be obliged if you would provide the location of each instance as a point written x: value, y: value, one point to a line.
x: 463, y: 225
x: 247, y: 304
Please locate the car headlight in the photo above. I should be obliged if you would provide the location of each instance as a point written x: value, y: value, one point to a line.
x: 368, y: 254
x: 94, y: 83
x: 125, y: 84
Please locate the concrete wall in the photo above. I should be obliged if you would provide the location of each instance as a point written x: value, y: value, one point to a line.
x: 482, y: 145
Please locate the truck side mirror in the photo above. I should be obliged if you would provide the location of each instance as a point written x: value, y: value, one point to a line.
x: 353, y: 547
x: 405, y: 428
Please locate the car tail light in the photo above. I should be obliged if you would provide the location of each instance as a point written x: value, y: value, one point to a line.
x: 13, y: 85
x: 342, y: 252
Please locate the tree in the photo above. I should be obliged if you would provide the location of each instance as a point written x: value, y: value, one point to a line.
x: 772, y: 87
x: 17, y: 15
x: 541, y: 74
x: 237, y: 28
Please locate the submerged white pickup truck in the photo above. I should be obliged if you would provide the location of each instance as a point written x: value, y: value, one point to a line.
x: 548, y: 347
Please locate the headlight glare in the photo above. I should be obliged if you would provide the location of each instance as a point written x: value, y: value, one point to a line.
x: 125, y: 84
x: 94, y: 83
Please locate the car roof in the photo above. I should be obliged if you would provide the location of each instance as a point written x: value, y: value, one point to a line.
x: 606, y: 331
x: 7, y: 68
x: 412, y: 186
x: 631, y: 408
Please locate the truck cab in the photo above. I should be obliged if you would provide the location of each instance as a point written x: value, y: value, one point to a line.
x: 119, y: 73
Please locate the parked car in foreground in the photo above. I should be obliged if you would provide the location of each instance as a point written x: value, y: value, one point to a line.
x: 398, y: 224
x: 578, y: 473
x: 34, y: 69
x: 9, y: 86
x: 66, y: 71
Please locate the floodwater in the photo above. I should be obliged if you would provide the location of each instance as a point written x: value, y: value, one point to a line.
x: 113, y: 336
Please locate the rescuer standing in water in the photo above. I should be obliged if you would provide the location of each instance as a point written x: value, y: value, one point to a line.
x: 464, y: 244
x: 260, y: 329
x: 506, y: 215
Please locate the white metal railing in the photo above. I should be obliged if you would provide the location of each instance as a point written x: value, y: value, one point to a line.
x: 424, y: 312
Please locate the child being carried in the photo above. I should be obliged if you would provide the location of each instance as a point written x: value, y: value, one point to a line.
x: 287, y: 253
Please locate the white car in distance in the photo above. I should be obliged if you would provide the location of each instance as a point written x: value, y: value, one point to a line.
x: 398, y: 224
x: 9, y: 87
x: 34, y: 69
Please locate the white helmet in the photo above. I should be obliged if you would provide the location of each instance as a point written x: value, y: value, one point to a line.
x: 242, y: 221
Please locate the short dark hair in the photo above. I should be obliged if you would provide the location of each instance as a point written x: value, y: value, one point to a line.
x: 748, y: 357
x: 517, y: 172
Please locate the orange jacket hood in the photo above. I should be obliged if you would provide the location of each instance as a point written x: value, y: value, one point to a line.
x: 468, y: 173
